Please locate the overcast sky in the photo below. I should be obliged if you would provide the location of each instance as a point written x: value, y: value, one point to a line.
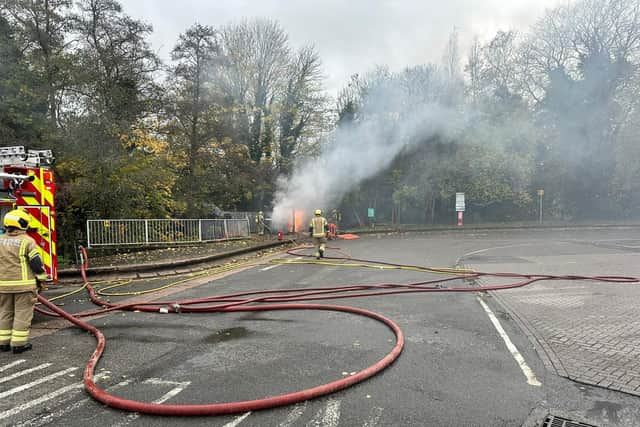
x: 352, y: 36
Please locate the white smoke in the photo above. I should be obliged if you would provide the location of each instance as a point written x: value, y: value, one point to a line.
x: 359, y: 151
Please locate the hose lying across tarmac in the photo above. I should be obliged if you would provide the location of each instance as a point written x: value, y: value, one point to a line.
x: 286, y: 299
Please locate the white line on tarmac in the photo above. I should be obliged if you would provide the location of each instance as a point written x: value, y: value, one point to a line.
x: 374, y: 418
x: 329, y: 417
x: 158, y: 381
x: 173, y: 392
x: 35, y: 383
x: 237, y: 421
x: 46, y: 419
x: 11, y: 365
x: 16, y: 410
x: 531, y: 377
x: 278, y: 265
x: 294, y: 415
x: 25, y: 372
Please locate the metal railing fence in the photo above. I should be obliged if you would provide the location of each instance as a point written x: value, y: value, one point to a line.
x: 121, y: 232
x: 251, y: 216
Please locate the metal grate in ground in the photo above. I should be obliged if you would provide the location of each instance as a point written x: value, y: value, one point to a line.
x: 553, y: 421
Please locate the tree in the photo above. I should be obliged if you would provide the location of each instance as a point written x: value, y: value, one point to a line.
x: 23, y: 106
x: 116, y: 64
x: 257, y: 54
x: 302, y: 107
x: 192, y: 122
x: 42, y: 28
x: 588, y: 58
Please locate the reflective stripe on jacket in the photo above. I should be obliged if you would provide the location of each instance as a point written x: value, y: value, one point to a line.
x: 16, y: 250
x: 318, y: 226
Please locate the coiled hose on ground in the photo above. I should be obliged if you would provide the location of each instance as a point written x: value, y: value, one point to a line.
x: 283, y: 299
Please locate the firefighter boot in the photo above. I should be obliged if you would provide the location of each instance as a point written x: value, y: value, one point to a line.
x: 5, y: 347
x: 22, y: 348
x: 321, y: 253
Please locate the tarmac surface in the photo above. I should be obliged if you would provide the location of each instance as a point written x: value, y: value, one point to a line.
x: 579, y: 339
x: 587, y: 331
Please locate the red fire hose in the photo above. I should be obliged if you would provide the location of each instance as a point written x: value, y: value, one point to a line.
x: 277, y: 297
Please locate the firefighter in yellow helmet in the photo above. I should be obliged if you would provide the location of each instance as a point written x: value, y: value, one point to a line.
x: 21, y: 274
x: 318, y: 229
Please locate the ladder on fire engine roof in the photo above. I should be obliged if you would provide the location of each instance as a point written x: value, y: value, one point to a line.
x: 18, y: 156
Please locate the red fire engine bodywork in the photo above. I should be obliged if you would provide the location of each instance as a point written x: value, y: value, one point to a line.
x: 38, y: 198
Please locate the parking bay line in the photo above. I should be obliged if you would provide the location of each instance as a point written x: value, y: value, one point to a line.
x: 41, y: 399
x: 25, y: 372
x: 531, y: 377
x: 329, y: 417
x: 238, y: 420
x: 278, y: 265
x: 11, y: 365
x: 180, y: 386
x: 46, y: 419
x: 35, y: 383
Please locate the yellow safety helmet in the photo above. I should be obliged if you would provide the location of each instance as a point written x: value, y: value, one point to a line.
x: 318, y: 212
x: 17, y: 218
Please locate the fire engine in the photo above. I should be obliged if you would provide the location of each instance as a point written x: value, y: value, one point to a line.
x: 27, y: 183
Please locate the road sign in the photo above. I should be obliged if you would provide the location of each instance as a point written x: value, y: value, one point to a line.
x: 460, y: 202
x: 541, y: 192
x: 370, y: 212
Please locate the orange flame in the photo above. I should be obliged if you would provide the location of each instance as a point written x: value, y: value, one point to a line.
x: 296, y: 223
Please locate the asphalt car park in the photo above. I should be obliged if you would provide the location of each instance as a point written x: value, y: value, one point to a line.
x: 458, y: 366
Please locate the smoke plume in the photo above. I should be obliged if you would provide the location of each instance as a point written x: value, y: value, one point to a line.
x: 359, y: 151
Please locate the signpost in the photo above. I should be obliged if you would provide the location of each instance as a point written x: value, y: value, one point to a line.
x: 460, y: 206
x: 540, y: 194
x: 371, y: 214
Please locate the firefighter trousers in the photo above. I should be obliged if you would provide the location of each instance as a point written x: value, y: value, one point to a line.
x: 16, y: 314
x: 319, y: 243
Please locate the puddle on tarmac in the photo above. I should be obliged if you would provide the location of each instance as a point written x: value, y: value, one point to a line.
x: 226, y: 335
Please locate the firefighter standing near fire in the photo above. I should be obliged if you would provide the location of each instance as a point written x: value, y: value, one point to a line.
x: 336, y: 217
x: 260, y: 223
x: 21, y: 275
x: 318, y: 229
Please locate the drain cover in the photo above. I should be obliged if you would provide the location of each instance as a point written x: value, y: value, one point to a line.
x: 553, y: 421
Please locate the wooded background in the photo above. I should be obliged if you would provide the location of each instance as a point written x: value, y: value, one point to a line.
x: 551, y: 107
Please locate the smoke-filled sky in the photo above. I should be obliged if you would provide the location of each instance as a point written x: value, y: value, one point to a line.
x: 351, y: 35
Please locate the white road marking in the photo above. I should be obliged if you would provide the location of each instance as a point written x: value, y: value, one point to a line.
x: 11, y: 365
x: 46, y: 419
x: 158, y: 381
x: 468, y: 254
x: 279, y: 264
x: 25, y: 372
x: 374, y: 418
x: 237, y: 421
x: 531, y: 377
x: 35, y: 383
x: 327, y: 417
x: 294, y: 415
x: 16, y: 410
x: 173, y: 392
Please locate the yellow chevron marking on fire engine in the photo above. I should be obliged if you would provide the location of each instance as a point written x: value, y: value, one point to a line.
x: 30, y: 201
x: 40, y: 186
x: 46, y: 257
x: 46, y: 196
